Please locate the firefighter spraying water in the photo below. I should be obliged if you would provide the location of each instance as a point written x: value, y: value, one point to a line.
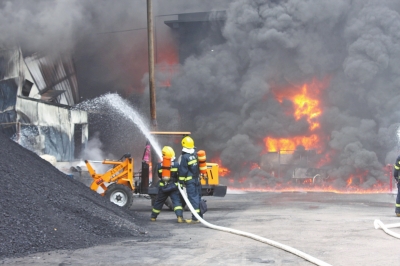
x: 168, y: 174
x: 121, y: 181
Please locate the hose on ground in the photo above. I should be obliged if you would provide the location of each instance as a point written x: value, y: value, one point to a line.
x: 255, y: 237
x: 379, y: 225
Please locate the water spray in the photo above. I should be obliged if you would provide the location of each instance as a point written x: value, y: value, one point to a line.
x: 398, y: 136
x: 253, y: 236
x: 123, y: 108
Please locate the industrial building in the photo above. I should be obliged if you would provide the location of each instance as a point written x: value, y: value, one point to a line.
x: 197, y: 32
x: 37, y: 93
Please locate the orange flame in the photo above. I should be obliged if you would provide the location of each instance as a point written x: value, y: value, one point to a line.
x: 222, y: 170
x: 306, y: 100
x: 356, y: 179
x: 326, y: 159
x: 321, y: 185
x: 254, y: 166
x: 307, y: 105
x: 287, y: 144
x: 165, y: 74
x: 167, y: 61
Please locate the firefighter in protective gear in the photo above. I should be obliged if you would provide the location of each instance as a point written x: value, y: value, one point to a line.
x: 189, y: 175
x: 396, y: 176
x: 168, y: 174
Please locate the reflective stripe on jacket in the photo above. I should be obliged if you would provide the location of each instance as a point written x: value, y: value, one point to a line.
x: 396, y: 168
x: 188, y: 168
x: 174, y: 171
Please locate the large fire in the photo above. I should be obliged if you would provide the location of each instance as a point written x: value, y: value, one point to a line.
x: 307, y: 104
x: 290, y: 144
x: 312, y: 175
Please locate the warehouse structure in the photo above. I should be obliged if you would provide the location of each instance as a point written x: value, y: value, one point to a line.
x: 197, y: 32
x: 37, y: 93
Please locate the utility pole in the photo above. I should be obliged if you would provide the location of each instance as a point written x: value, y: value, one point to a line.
x: 150, y: 38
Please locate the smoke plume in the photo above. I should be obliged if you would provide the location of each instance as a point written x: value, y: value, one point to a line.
x: 226, y: 95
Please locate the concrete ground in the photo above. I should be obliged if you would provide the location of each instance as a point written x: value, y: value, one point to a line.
x: 335, y: 228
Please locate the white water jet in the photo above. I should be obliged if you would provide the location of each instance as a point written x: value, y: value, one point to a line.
x: 398, y: 136
x: 123, y: 108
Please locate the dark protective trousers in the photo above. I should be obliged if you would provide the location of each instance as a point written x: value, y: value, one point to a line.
x: 162, y: 197
x: 192, y: 190
x: 199, y: 192
x: 398, y: 198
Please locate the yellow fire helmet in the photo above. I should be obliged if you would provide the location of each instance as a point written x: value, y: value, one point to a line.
x: 188, y: 143
x: 167, y: 151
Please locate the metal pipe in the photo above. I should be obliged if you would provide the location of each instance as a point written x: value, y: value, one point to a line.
x: 150, y: 37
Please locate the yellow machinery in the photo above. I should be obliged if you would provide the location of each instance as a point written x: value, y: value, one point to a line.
x: 212, y: 177
x: 120, y: 182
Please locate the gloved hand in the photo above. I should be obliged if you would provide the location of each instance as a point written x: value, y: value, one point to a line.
x: 397, y: 179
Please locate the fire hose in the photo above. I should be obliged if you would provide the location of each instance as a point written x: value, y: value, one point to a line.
x: 379, y: 225
x: 253, y: 236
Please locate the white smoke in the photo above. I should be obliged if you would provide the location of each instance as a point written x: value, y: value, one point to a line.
x: 93, y: 151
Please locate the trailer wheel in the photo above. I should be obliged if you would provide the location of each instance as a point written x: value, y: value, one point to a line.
x: 120, y: 195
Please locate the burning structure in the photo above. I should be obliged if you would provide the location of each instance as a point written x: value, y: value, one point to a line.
x: 316, y: 78
x: 37, y: 93
x: 294, y: 95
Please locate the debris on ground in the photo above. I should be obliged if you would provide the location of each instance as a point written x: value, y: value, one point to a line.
x: 42, y: 209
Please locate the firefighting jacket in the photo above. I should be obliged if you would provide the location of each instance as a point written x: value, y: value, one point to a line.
x: 174, y: 172
x: 188, y: 168
x: 396, y: 168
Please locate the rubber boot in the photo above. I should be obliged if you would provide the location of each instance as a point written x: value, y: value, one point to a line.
x: 192, y: 221
x: 397, y: 211
x: 180, y: 219
x: 152, y: 219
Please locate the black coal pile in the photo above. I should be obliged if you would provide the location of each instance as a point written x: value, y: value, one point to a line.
x: 42, y: 209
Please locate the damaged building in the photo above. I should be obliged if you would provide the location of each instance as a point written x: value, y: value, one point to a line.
x: 37, y: 93
x: 197, y: 32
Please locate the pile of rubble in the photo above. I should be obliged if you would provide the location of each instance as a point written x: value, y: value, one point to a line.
x: 42, y: 209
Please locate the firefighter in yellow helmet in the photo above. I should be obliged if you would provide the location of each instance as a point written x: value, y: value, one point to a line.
x: 168, y: 174
x: 189, y: 175
x: 396, y: 177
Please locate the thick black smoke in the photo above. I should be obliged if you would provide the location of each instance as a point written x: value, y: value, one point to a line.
x: 107, y: 40
x: 224, y: 96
